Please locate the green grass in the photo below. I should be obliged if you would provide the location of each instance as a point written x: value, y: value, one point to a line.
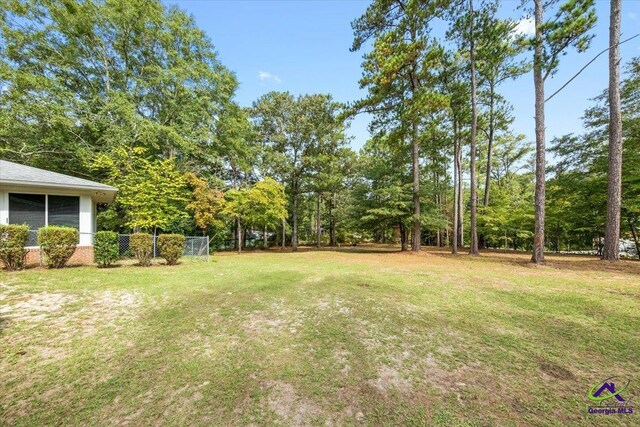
x: 314, y: 338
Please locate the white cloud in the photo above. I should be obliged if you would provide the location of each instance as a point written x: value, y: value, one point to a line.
x: 266, y: 76
x: 525, y: 27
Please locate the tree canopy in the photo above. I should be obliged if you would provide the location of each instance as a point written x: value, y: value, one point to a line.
x: 133, y: 93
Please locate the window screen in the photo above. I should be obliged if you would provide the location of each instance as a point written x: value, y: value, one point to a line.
x: 27, y: 209
x: 64, y: 211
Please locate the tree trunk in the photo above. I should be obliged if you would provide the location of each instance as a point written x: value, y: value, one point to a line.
x: 107, y: 76
x: 244, y: 237
x: 473, y: 250
x: 460, y: 198
x: 403, y: 237
x: 294, y: 232
x: 264, y: 237
x: 538, y: 240
x: 635, y: 237
x: 436, y: 179
x: 415, y: 243
x: 611, y: 250
x: 599, y: 245
x: 284, y: 233
x: 237, y: 243
x: 235, y: 233
x: 446, y: 229
x: 415, y: 157
x: 332, y: 222
x: 487, y: 179
x: 456, y: 166
x: 318, y: 221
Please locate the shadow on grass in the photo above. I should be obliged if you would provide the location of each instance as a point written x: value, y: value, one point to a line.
x: 555, y: 261
x: 510, y: 258
x: 4, y: 323
x: 358, y: 249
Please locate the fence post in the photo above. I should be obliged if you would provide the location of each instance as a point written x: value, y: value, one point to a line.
x: 154, y: 246
x: 208, y: 242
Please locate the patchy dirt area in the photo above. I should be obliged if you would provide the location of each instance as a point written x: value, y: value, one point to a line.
x: 34, y: 307
x: 44, y: 331
x: 85, y: 313
x: 390, y: 379
x: 293, y: 408
x: 41, y: 326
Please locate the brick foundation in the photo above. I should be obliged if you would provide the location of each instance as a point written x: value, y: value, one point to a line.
x: 82, y: 256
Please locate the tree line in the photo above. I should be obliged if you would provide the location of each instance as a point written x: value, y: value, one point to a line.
x: 133, y: 94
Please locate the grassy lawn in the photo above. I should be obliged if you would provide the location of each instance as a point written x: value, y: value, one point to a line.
x: 356, y: 337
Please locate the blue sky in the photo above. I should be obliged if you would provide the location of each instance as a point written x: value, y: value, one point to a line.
x: 303, y: 47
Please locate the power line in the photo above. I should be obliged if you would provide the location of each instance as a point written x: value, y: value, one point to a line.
x: 588, y: 63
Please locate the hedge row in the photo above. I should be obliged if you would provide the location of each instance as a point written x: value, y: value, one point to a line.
x: 59, y: 243
x: 106, y: 248
x: 170, y: 246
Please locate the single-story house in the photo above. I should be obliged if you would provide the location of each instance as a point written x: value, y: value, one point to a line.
x: 39, y: 197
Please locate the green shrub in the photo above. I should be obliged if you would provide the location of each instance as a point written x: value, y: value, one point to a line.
x: 106, y: 248
x: 58, y: 244
x: 171, y: 247
x: 13, y: 239
x: 141, y: 245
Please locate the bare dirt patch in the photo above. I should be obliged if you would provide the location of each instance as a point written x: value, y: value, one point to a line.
x: 342, y: 359
x: 34, y: 307
x: 41, y: 325
x: 45, y: 306
x: 288, y: 404
x: 262, y: 323
x: 390, y: 379
x: 274, y: 320
x: 333, y: 306
x: 448, y: 380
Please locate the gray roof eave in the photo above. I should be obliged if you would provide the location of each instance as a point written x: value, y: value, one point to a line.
x: 99, y: 187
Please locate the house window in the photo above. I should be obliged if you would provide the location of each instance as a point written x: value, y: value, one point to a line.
x: 40, y: 210
x: 28, y: 209
x: 64, y: 211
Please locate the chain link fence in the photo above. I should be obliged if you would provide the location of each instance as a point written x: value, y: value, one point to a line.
x: 32, y: 240
x: 194, y: 246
